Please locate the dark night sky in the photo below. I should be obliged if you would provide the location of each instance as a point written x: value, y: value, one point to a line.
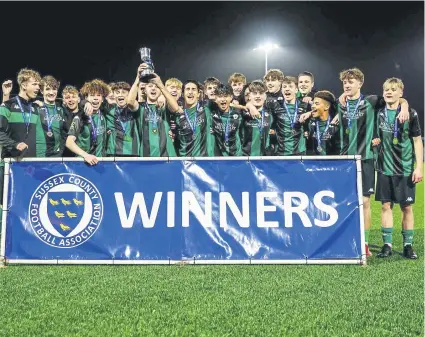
x: 201, y: 39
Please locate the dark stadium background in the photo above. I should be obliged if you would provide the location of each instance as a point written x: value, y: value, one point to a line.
x: 78, y: 41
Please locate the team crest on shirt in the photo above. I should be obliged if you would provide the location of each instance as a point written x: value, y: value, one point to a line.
x: 386, y: 127
x: 65, y: 210
x: 235, y: 116
x: 353, y: 114
x: 55, y: 117
x: 201, y: 109
x: 323, y: 136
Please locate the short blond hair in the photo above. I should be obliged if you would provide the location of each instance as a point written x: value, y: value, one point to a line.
x: 69, y: 89
x: 25, y: 74
x: 237, y: 77
x: 353, y: 73
x: 174, y: 81
x: 274, y: 74
x: 393, y: 81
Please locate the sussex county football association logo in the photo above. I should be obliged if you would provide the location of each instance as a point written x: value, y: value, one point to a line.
x: 65, y: 210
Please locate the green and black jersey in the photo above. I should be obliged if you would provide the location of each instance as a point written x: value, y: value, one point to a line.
x: 300, y: 95
x: 329, y: 137
x: 289, y: 132
x: 255, y: 134
x: 357, y: 125
x: 69, y: 116
x: 271, y: 100
x: 54, y: 130
x: 17, y: 126
x: 90, y: 133
x: 396, y: 155
x: 123, y: 136
x: 226, y: 136
x: 192, y: 129
x: 154, y: 131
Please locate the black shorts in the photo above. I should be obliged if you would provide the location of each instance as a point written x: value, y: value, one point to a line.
x: 395, y: 189
x: 368, y: 177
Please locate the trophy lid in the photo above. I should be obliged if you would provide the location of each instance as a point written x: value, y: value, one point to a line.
x: 144, y: 51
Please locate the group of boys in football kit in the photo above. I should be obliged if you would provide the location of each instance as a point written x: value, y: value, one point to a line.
x: 275, y: 116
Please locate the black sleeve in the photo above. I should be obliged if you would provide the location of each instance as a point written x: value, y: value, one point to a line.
x: 311, y: 124
x: 211, y: 105
x: 312, y: 93
x: 414, y: 125
x: 5, y: 140
x: 376, y: 101
x: 270, y: 105
x: 376, y: 124
x: 76, y: 126
x: 335, y: 140
x: 246, y: 115
x: 106, y: 107
x: 65, y: 127
x: 82, y: 104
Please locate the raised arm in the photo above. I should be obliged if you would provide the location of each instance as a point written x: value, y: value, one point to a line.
x: 74, y: 131
x: 171, y: 101
x: 404, y: 115
x: 5, y: 140
x: 132, y: 95
x: 6, y: 88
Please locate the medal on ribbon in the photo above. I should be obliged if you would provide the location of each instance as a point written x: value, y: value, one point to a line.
x: 347, y: 131
x: 49, y: 132
x: 153, y: 119
x: 192, y: 126
x: 94, y: 128
x: 227, y: 130
x: 261, y: 126
x: 292, y: 118
x: 319, y: 135
x: 124, y: 125
x: 25, y: 116
x: 395, y: 129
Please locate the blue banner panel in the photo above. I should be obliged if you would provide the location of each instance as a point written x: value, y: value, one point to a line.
x: 178, y: 210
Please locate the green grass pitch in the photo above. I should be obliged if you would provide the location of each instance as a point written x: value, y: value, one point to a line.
x: 384, y: 298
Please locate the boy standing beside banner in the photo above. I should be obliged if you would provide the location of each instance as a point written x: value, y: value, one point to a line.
x: 400, y: 144
x: 255, y: 140
x: 87, y: 134
x: 323, y: 135
x: 51, y: 135
x: 154, y: 127
x: 357, y: 121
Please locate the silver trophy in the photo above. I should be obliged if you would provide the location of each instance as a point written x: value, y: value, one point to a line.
x: 146, y: 74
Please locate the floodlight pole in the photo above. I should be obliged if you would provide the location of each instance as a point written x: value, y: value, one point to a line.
x: 267, y: 48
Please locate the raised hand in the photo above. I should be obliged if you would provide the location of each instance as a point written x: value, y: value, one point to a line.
x: 6, y: 87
